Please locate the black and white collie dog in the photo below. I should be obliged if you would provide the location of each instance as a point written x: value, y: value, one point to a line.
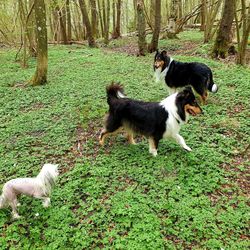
x: 179, y: 74
x: 155, y: 120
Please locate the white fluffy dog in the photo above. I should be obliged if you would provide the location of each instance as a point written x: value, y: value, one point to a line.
x: 38, y: 187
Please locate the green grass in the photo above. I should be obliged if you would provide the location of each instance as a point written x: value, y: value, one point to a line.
x: 119, y: 196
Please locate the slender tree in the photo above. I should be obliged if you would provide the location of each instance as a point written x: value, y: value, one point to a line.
x: 171, y: 33
x: 141, y: 27
x: 68, y: 13
x: 106, y: 20
x: 23, y: 33
x: 157, y: 26
x: 93, y: 17
x: 30, y: 29
x: 86, y: 22
x: 117, y: 30
x: 203, y: 14
x: 242, y: 45
x: 223, y: 40
x: 100, y: 17
x: 211, y: 11
x: 40, y: 76
x: 62, y: 22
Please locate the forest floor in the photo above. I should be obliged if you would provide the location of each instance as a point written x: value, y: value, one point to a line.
x: 119, y: 196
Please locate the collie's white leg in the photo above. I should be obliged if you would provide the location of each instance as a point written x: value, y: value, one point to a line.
x: 152, y: 147
x: 179, y: 139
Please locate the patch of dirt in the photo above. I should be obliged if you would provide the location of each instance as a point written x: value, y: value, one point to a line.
x: 89, y: 135
x: 130, y: 48
x: 32, y: 107
x: 187, y: 48
x: 239, y: 178
x: 20, y: 85
x: 236, y: 109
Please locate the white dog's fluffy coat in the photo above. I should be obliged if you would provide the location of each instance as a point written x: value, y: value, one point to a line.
x: 38, y: 187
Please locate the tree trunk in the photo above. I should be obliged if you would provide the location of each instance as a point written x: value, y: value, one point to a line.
x: 30, y: 30
x: 171, y: 33
x: 86, y: 22
x: 117, y: 31
x: 62, y: 22
x: 68, y: 13
x: 23, y: 33
x: 40, y: 76
x: 141, y: 26
x: 113, y: 15
x: 203, y: 14
x: 241, y: 57
x: 100, y: 17
x: 152, y: 12
x: 106, y: 20
x: 157, y: 26
x: 222, y: 41
x: 135, y: 14
x: 210, y: 17
x: 93, y: 17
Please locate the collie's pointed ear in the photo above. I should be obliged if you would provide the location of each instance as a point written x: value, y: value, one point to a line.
x: 185, y: 92
x: 164, y: 53
x: 188, y: 89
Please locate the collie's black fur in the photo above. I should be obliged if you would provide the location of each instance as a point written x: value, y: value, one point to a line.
x: 179, y: 74
x: 147, y: 118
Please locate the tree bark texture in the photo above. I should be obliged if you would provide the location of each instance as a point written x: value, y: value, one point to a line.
x: 93, y: 17
x: 62, y: 22
x: 86, y: 22
x: 141, y: 27
x: 117, y: 30
x: 241, y: 57
x: 68, y: 13
x: 106, y: 20
x: 40, y: 76
x: 223, y: 40
x: 171, y: 33
x: 157, y: 26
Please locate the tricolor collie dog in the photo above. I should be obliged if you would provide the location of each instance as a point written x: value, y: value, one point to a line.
x: 154, y: 120
x: 38, y: 187
x: 178, y: 74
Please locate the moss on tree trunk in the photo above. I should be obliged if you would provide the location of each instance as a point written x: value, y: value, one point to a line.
x: 40, y: 76
x: 141, y: 26
x: 222, y: 41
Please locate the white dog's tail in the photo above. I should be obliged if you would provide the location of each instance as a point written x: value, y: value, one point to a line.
x: 47, y: 177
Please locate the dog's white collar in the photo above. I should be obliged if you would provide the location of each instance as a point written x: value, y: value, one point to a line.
x: 160, y: 75
x: 165, y: 71
x: 170, y: 106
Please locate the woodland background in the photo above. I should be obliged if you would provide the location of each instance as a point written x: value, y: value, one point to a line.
x: 31, y: 25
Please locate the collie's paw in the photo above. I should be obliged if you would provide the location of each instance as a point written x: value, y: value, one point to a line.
x: 153, y: 152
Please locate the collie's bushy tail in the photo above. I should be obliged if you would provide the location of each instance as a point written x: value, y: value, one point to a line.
x: 114, y: 91
x: 212, y: 87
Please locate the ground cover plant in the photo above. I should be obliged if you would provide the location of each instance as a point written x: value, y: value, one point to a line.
x: 119, y: 196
